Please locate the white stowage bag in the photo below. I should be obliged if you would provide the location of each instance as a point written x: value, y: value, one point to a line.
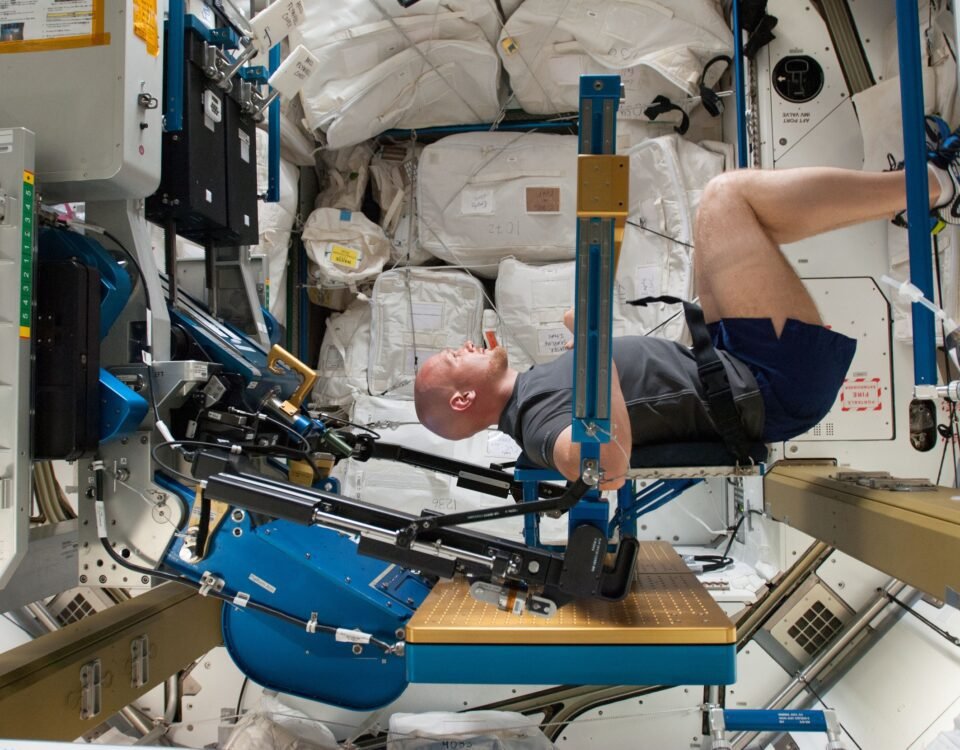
x: 478, y: 730
x: 382, y: 66
x: 393, y: 170
x: 531, y: 301
x: 276, y: 726
x: 347, y: 173
x: 276, y: 221
x: 656, y: 47
x: 342, y: 367
x: 667, y: 177
x: 417, y: 312
x: 486, y: 196
x: 345, y: 247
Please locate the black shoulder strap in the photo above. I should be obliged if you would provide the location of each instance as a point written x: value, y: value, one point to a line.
x: 713, y: 377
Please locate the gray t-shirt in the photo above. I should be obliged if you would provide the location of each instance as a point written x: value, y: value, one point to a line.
x: 661, y: 388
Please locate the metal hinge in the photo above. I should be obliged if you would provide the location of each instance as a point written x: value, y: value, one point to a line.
x: 881, y: 480
x: 139, y: 661
x: 91, y: 678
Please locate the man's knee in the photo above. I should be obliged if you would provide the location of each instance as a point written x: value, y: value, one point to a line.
x: 724, y: 190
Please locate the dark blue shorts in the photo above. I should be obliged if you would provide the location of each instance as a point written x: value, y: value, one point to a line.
x: 799, y: 374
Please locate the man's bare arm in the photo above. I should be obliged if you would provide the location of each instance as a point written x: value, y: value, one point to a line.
x: 614, y: 455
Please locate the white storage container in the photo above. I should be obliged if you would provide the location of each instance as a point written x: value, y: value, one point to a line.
x: 342, y: 366
x: 486, y: 196
x: 383, y: 66
x: 416, y: 313
x: 656, y: 48
x: 531, y: 301
x: 344, y: 246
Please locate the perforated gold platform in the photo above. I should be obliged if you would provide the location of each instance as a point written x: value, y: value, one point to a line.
x: 668, y: 605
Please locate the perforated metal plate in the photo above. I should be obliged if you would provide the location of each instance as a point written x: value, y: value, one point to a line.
x: 668, y: 605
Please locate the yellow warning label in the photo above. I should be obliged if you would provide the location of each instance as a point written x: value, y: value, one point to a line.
x: 48, y: 25
x: 345, y: 256
x: 28, y: 177
x: 145, y: 24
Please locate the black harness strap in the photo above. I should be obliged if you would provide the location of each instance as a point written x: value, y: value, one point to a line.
x: 713, y: 377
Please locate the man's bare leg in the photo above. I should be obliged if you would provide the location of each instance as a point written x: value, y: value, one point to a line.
x: 746, y: 215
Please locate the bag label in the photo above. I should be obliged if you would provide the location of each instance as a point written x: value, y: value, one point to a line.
x: 477, y: 202
x: 427, y: 316
x: 553, y: 340
x: 345, y: 256
x: 543, y: 200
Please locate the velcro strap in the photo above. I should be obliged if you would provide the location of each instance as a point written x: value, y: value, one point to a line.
x: 713, y: 376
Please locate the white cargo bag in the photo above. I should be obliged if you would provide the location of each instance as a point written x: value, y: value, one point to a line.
x: 347, y: 172
x: 416, y: 313
x: 393, y: 170
x: 667, y: 177
x: 486, y: 196
x: 345, y: 247
x: 343, y: 356
x: 437, y: 82
x: 379, y: 67
x: 531, y: 301
x: 478, y: 730
x: 656, y: 48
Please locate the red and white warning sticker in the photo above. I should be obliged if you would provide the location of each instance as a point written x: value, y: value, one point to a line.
x: 861, y: 394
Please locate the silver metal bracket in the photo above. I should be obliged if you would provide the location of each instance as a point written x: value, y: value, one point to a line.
x: 210, y: 582
x: 91, y: 690
x: 881, y: 480
x: 139, y: 661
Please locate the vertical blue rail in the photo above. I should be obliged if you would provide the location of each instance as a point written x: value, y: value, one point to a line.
x: 273, y: 131
x: 739, y: 86
x: 175, y: 30
x: 597, y: 135
x: 918, y: 196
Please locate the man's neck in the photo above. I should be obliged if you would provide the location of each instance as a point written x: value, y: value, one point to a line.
x: 504, y: 390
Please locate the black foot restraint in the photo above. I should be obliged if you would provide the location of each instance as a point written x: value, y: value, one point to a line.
x: 716, y: 386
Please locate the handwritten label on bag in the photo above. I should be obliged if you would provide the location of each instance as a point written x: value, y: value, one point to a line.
x: 477, y: 202
x: 553, y: 340
x: 543, y: 200
x: 345, y: 256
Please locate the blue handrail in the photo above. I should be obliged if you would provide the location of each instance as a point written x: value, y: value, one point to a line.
x: 918, y: 195
x: 738, y: 87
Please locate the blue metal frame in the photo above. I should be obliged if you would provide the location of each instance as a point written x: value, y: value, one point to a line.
x: 590, y: 430
x: 174, y: 31
x: 273, y: 131
x: 739, y: 87
x: 918, y: 195
x: 573, y: 664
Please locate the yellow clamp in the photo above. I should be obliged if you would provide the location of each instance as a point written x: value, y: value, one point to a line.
x: 603, y: 190
x: 307, y: 375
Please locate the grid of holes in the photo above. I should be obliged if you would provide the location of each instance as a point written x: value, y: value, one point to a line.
x: 814, y: 628
x: 77, y: 609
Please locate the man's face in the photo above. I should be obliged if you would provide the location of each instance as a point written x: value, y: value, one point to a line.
x: 470, y: 367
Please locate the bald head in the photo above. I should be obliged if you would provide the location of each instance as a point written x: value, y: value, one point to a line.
x: 460, y: 392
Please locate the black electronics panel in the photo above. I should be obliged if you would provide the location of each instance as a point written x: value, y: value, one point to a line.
x: 66, y: 371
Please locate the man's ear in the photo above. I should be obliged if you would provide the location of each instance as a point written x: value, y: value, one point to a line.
x: 462, y: 400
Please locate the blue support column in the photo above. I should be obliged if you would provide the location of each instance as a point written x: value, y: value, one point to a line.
x: 174, y: 29
x: 739, y: 85
x: 918, y: 196
x: 273, y: 131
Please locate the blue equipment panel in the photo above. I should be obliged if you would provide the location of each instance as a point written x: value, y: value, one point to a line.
x: 303, y: 571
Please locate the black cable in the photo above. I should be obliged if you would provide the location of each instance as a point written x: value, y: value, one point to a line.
x: 952, y: 435
x: 347, y: 423
x: 645, y: 228
x: 243, y: 688
x: 932, y: 625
